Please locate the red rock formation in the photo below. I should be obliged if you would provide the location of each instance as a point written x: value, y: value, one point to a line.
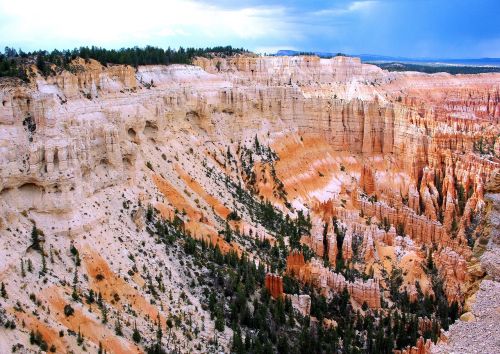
x: 274, y: 283
x: 368, y: 292
x: 418, y: 227
x: 347, y: 245
x: 453, y: 269
x: 326, y: 280
x: 295, y: 262
x: 414, y: 198
x: 423, y: 346
x: 332, y: 250
x: 369, y: 236
x: 426, y: 324
x: 367, y: 179
x: 316, y: 237
x: 429, y: 194
x: 389, y: 236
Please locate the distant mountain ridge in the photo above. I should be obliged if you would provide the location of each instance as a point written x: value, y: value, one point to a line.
x: 374, y: 58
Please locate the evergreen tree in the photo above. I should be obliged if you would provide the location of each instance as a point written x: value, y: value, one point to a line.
x: 23, y: 273
x: 118, y: 327
x: 104, y: 312
x: 44, y: 263
x: 136, y: 335
x: 430, y: 262
x: 219, y: 320
x: 170, y: 325
x: 462, y: 199
x: 75, y: 295
x: 157, y: 348
x: 3, y: 292
x: 237, y: 345
x: 41, y: 65
x: 90, y: 297
x: 79, y: 338
x: 35, y: 239
x: 228, y: 235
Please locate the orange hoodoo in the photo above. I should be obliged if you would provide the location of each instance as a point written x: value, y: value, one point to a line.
x: 367, y: 180
x: 274, y: 283
x: 423, y: 346
x: 294, y: 262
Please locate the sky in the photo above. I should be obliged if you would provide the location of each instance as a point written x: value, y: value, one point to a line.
x: 409, y: 28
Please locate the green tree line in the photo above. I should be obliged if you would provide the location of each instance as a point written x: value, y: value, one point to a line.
x: 13, y: 62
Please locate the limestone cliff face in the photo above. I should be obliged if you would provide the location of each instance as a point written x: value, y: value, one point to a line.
x: 400, y: 161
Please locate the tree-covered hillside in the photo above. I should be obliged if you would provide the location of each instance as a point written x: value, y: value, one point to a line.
x: 13, y: 63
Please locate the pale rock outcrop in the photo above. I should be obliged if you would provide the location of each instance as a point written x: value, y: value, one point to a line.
x: 302, y: 303
x: 347, y: 253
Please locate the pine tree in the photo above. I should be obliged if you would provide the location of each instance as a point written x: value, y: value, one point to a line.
x: 257, y: 145
x: 118, y: 327
x: 462, y: 199
x: 157, y: 347
x: 169, y: 325
x: 104, y: 312
x: 136, y: 335
x: 159, y: 331
x: 79, y: 338
x: 237, y: 346
x: 44, y: 263
x: 23, y: 273
x: 35, y: 239
x: 3, y: 292
x: 291, y: 319
x: 74, y: 295
x: 219, y: 323
x: 228, y: 235
x: 51, y: 256
x: 90, y: 297
x: 430, y: 262
x: 41, y: 65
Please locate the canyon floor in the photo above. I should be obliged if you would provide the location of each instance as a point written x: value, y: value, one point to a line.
x: 250, y: 204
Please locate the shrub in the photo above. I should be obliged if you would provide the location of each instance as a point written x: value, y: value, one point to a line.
x: 68, y: 310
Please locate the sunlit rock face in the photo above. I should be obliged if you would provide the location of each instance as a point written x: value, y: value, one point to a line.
x: 390, y: 169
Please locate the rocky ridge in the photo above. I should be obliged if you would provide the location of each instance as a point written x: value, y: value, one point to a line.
x: 477, y: 330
